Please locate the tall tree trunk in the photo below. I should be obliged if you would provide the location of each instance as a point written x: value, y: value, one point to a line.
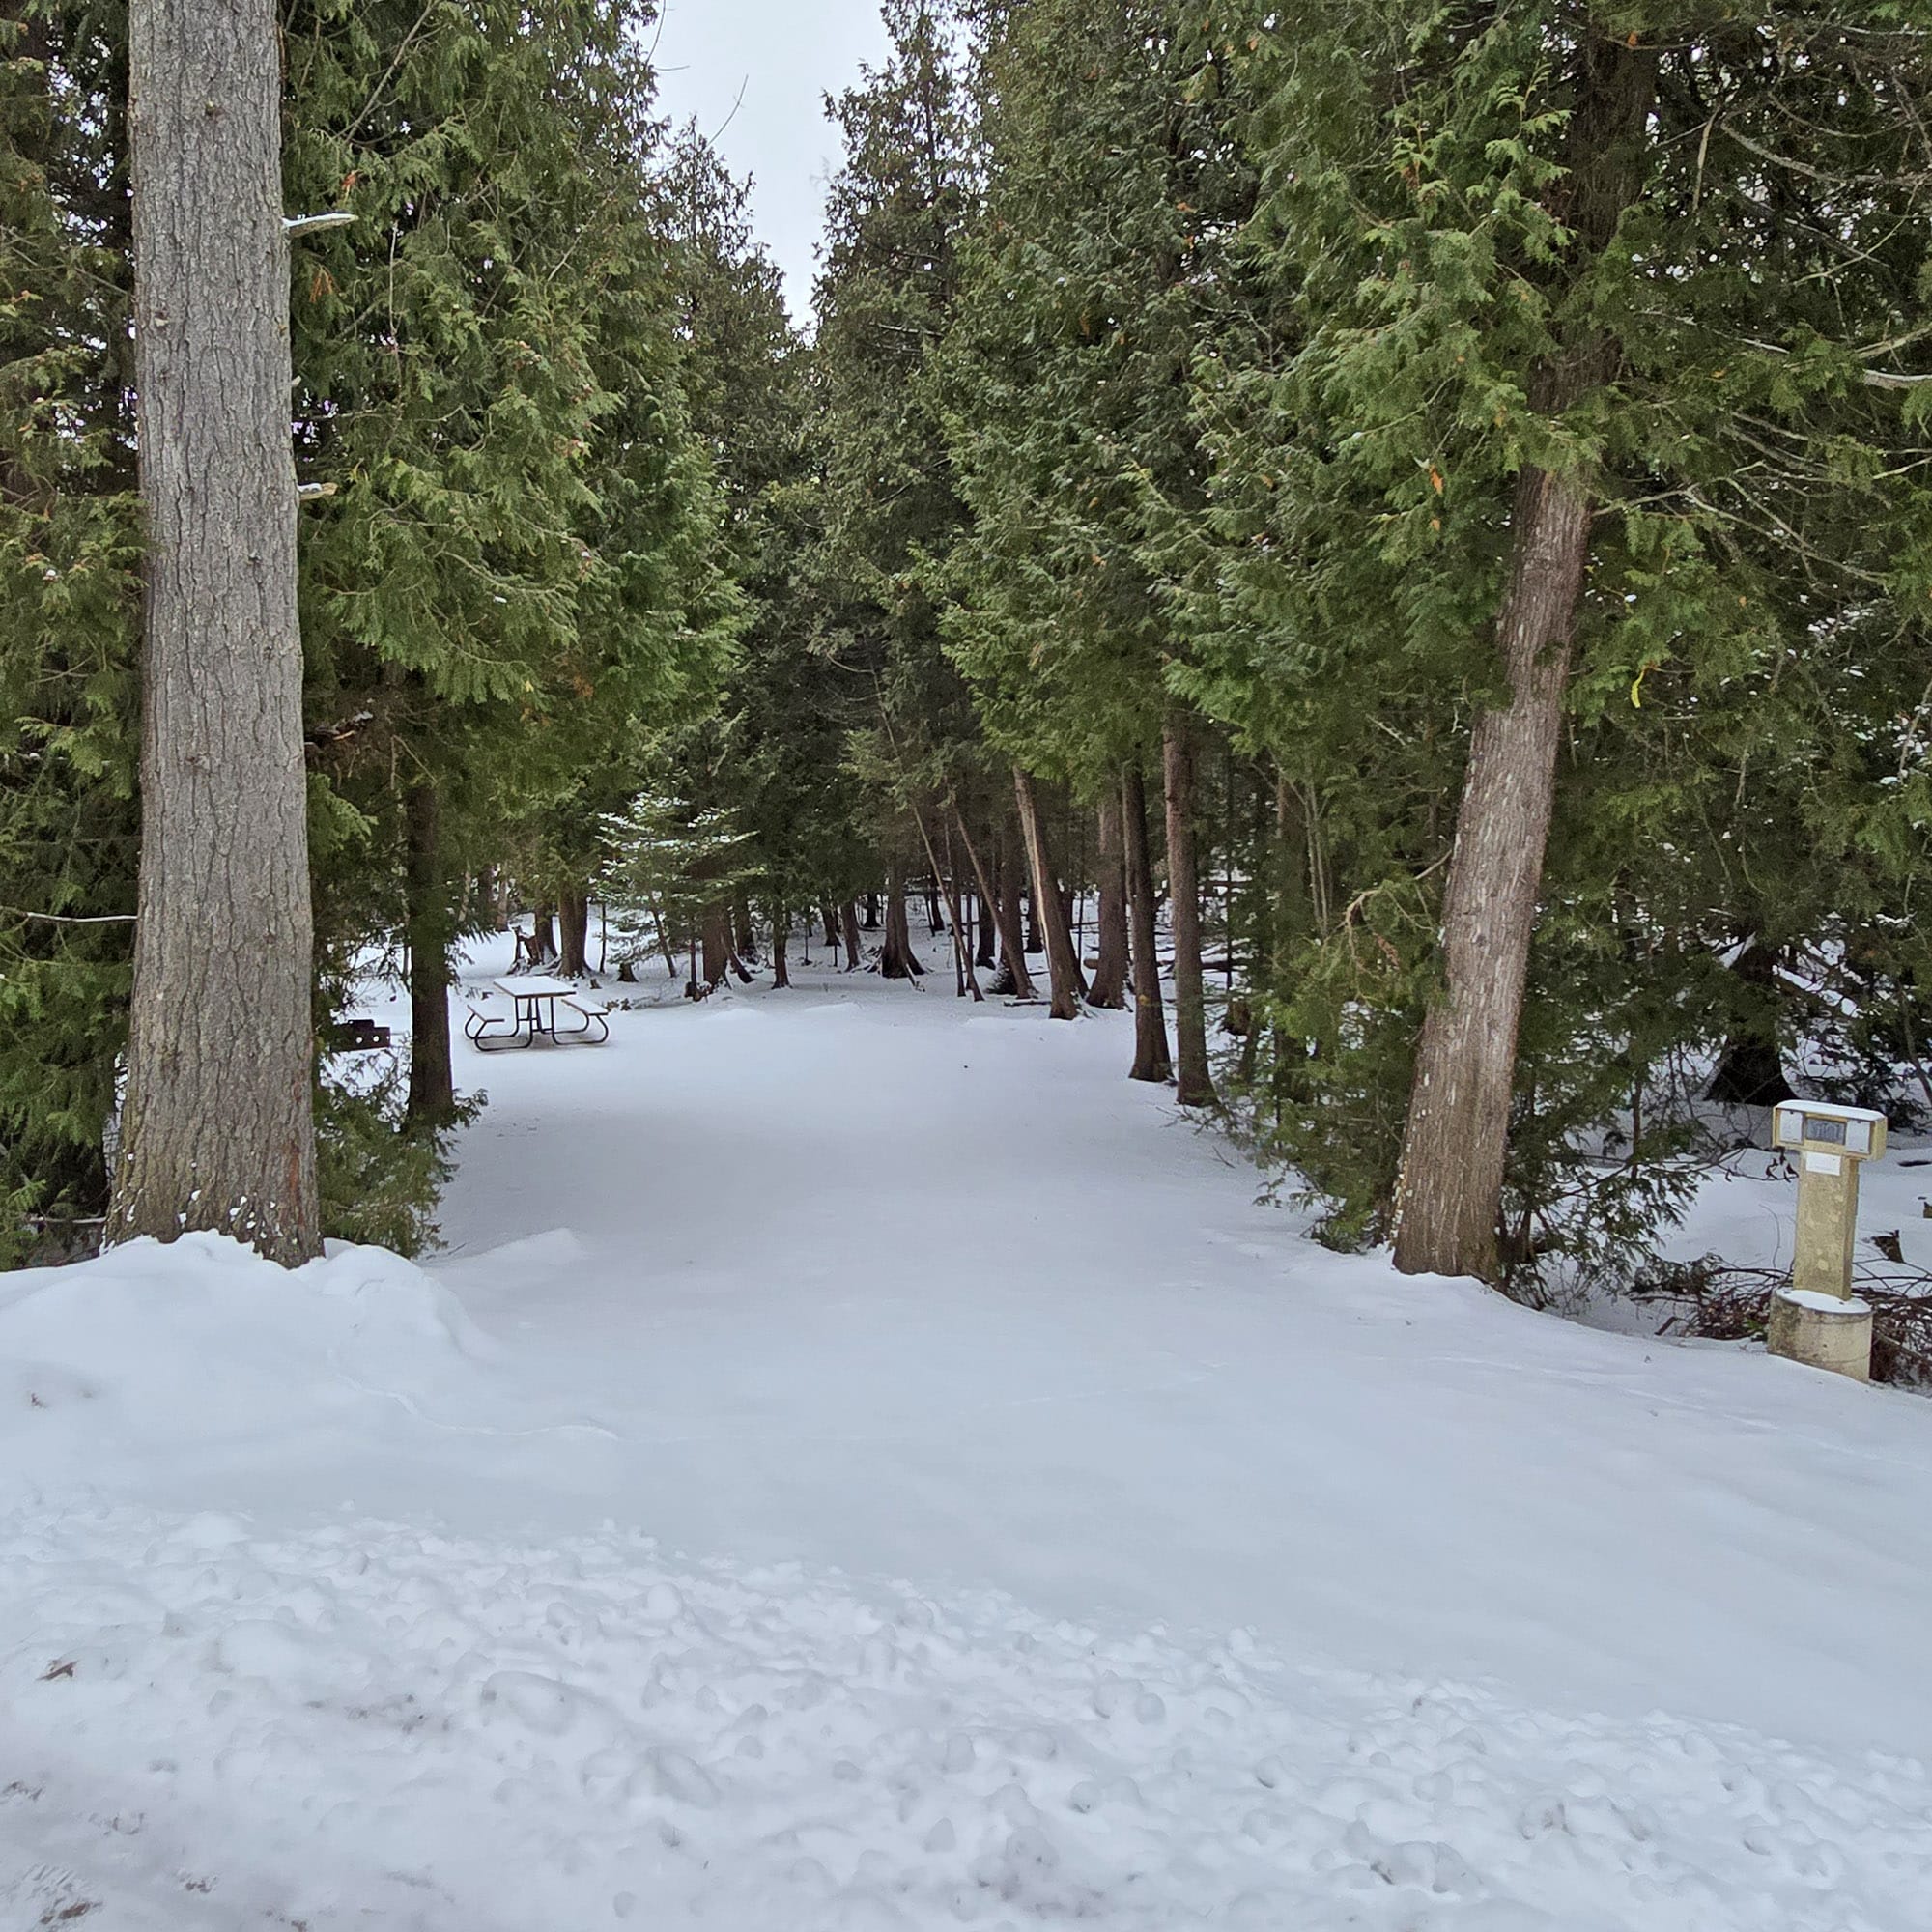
x: 1751, y: 1070
x: 780, y: 938
x: 1036, y: 939
x: 1150, y: 1057
x: 1194, y: 1083
x: 1448, y: 1201
x: 871, y: 912
x: 717, y: 939
x: 1004, y: 918
x: 831, y: 920
x: 432, y: 1100
x: 1110, y: 965
x: 1067, y: 983
x: 1013, y: 967
x: 219, y: 1128
x: 573, y: 927
x: 935, y: 919
x: 854, y: 945
x: 985, y: 953
x: 896, y: 960
x: 543, y: 931
x: 962, y: 953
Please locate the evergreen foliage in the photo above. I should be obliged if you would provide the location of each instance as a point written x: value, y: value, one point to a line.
x: 1175, y: 374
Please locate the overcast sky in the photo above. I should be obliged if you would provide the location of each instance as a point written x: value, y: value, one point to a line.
x: 785, y: 55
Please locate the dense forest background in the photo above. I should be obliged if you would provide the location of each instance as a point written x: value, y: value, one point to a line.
x: 1420, y: 510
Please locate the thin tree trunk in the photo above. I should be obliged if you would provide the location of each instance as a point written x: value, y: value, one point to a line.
x: 1005, y: 918
x: 896, y: 960
x: 1110, y: 966
x: 1036, y: 940
x: 219, y: 1128
x: 432, y: 1098
x: 1063, y: 970
x: 986, y: 951
x: 663, y: 940
x: 780, y: 936
x: 1448, y: 1202
x: 830, y: 919
x: 1194, y: 1083
x: 849, y: 918
x: 1151, y: 1058
x: 493, y: 898
x: 573, y: 923
x: 1013, y: 939
x: 962, y: 956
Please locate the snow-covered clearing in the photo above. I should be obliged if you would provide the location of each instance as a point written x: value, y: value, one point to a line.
x: 861, y: 1465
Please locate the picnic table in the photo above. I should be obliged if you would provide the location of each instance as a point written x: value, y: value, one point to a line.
x: 533, y: 1002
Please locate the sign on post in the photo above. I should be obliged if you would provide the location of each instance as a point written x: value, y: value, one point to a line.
x: 1817, y: 1319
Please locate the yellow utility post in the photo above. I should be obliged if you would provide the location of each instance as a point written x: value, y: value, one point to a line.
x: 1817, y: 1319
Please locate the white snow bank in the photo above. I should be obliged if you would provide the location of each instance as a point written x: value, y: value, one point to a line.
x: 199, y: 1353
x: 375, y: 1724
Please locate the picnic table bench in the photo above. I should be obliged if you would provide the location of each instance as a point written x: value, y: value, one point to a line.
x: 534, y: 998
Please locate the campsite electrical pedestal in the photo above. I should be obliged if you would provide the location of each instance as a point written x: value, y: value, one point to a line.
x: 1816, y: 1319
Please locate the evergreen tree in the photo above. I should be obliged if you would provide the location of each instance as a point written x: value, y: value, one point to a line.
x: 1462, y: 299
x: 516, y: 578
x: 897, y: 214
x: 1114, y: 186
x: 69, y: 611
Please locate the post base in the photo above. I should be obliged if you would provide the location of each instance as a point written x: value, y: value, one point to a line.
x: 1821, y: 1332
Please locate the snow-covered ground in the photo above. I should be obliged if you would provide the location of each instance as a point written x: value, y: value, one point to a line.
x: 860, y: 1464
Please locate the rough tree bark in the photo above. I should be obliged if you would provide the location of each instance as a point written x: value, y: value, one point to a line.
x: 1150, y: 1057
x: 543, y: 932
x: 432, y: 1100
x: 984, y: 952
x: 897, y: 958
x: 1067, y: 984
x: 854, y: 945
x: 717, y: 939
x: 781, y: 939
x: 1194, y: 1083
x: 1448, y: 1201
x: 1110, y: 964
x: 219, y: 1129
x: 573, y: 932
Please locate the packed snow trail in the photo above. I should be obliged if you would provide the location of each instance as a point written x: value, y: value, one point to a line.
x: 862, y: 1465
